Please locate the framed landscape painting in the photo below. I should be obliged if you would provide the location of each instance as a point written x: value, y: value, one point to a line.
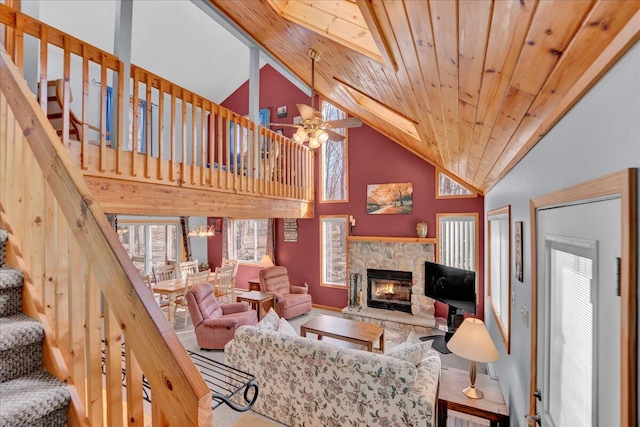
x: 396, y: 198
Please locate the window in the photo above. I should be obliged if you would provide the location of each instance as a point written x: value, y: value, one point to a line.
x: 333, y: 156
x: 149, y: 244
x: 249, y: 239
x: 333, y: 250
x: 499, y: 286
x: 449, y: 187
x: 457, y: 240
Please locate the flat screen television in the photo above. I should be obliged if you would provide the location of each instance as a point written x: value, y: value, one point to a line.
x: 452, y: 286
x: 456, y: 288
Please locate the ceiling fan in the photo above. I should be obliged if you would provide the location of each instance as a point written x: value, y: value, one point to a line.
x: 313, y: 127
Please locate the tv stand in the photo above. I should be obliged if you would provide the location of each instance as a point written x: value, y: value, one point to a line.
x: 440, y: 341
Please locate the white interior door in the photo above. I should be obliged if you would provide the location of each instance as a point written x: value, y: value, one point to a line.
x: 578, y: 340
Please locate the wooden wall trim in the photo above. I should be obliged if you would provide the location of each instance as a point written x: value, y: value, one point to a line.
x: 624, y: 185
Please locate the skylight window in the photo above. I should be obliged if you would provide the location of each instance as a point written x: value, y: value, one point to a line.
x: 340, y: 20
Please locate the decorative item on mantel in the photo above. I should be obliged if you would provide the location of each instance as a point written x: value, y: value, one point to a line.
x: 352, y: 225
x: 421, y: 229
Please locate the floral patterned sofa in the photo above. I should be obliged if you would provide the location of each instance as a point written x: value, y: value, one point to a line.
x: 306, y: 382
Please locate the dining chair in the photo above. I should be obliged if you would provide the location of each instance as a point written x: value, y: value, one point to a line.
x: 223, y: 284
x: 163, y: 272
x: 233, y: 262
x: 162, y: 302
x: 190, y: 280
x: 188, y: 267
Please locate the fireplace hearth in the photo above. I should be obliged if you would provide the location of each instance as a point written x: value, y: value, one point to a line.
x: 389, y: 289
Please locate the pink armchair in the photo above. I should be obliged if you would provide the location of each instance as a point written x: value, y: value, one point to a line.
x: 291, y: 300
x: 215, y: 324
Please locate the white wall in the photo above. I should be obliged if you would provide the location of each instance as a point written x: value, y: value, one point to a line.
x: 600, y: 135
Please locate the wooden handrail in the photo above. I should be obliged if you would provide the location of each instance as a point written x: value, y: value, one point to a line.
x: 177, y: 385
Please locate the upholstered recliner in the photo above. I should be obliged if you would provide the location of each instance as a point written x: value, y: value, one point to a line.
x: 291, y: 301
x: 215, y: 324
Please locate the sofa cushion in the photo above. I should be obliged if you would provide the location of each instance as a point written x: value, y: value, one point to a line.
x: 412, y: 353
x: 291, y: 300
x: 270, y: 321
x: 275, y: 279
x: 396, y: 373
x: 285, y: 327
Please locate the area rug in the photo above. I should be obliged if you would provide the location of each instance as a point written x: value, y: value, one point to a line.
x: 250, y: 420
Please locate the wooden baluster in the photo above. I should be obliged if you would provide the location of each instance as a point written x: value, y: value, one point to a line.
x: 160, y: 174
x: 147, y: 164
x: 44, y: 51
x: 120, y: 137
x: 93, y: 345
x: 183, y: 139
x: 76, y: 321
x: 113, y: 368
x: 84, y: 156
x: 194, y: 140
x: 211, y: 140
x: 135, y: 413
x: 172, y: 142
x: 62, y: 287
x: 66, y: 104
x: 203, y: 141
x: 102, y: 157
x: 220, y: 143
x: 50, y: 221
x: 133, y: 136
x: 158, y: 418
x: 239, y: 155
x: 19, y: 44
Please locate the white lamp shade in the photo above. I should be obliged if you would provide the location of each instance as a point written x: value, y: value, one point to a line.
x: 322, y: 136
x: 313, y: 142
x: 300, y: 136
x: 473, y: 342
x: 266, y: 261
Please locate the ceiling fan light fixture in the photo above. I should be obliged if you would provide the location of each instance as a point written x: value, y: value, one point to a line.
x: 300, y: 136
x: 313, y: 142
x: 321, y: 136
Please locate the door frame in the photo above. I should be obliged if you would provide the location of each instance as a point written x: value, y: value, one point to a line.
x: 623, y: 185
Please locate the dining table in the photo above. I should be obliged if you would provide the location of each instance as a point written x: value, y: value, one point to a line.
x: 174, y: 288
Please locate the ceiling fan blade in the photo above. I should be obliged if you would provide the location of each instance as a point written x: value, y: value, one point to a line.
x: 306, y: 112
x: 351, y: 122
x: 334, y: 136
x: 283, y: 124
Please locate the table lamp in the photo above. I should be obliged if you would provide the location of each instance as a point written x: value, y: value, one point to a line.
x: 472, y: 341
x: 266, y: 261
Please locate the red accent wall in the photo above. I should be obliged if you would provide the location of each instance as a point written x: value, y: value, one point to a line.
x: 373, y: 159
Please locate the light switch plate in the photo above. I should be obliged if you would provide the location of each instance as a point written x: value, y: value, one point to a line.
x: 524, y: 314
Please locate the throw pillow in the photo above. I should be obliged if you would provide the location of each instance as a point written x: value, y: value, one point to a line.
x: 285, y: 328
x: 270, y: 321
x: 412, y: 353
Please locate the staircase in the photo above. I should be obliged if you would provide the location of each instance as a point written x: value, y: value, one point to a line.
x: 29, y: 395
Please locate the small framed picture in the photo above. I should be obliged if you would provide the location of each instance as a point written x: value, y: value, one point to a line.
x: 282, y: 111
x: 518, y: 250
x: 280, y: 131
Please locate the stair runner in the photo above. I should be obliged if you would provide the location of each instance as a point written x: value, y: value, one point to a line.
x: 29, y: 395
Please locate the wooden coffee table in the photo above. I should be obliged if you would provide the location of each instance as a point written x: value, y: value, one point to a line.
x: 345, y: 329
x: 256, y: 299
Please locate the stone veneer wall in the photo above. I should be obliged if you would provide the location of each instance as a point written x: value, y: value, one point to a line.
x: 394, y: 256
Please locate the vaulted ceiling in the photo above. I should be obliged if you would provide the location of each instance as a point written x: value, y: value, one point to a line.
x: 474, y: 84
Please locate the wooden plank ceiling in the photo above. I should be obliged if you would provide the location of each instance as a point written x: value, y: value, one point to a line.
x: 481, y: 80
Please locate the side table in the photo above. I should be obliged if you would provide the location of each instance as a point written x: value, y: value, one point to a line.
x: 256, y: 299
x: 450, y: 396
x: 254, y: 284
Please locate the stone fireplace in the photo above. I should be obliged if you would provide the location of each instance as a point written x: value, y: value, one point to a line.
x: 394, y: 254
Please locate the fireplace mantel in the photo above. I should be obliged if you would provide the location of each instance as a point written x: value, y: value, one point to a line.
x: 425, y: 241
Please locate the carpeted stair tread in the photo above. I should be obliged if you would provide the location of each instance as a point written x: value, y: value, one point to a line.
x: 19, y: 330
x: 29, y: 400
x: 10, y: 278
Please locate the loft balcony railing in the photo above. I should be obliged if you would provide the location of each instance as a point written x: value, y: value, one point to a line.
x: 175, y: 137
